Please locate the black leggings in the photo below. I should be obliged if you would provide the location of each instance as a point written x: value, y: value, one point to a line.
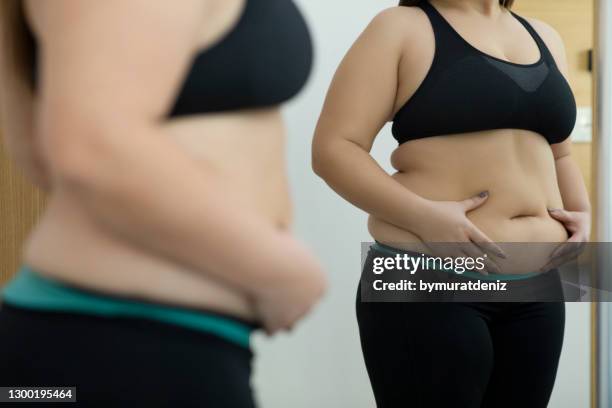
x: 438, y: 355
x: 122, y: 362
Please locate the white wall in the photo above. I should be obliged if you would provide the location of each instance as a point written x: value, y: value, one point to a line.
x: 320, y: 363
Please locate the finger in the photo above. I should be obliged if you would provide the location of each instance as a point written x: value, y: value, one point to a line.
x: 574, y: 253
x: 481, y: 248
x: 459, y: 261
x: 560, y: 214
x: 455, y: 253
x: 581, y: 244
x: 557, y: 251
x: 449, y: 252
x: 445, y: 250
x: 557, y: 262
x: 475, y: 202
x: 567, y: 248
x: 433, y: 248
x: 492, y: 266
x: 489, y: 266
x: 560, y: 260
x: 474, y: 252
x: 574, y: 243
x: 485, y: 243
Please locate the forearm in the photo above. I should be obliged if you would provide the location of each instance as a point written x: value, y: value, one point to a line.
x: 352, y: 172
x: 571, y: 184
x: 141, y: 187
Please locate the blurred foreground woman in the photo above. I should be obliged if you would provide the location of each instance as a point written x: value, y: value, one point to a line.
x: 154, y: 126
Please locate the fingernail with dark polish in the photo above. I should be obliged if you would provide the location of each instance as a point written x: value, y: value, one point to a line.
x: 483, y: 194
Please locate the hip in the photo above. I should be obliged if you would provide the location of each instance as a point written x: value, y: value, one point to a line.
x: 30, y: 291
x: 122, y: 361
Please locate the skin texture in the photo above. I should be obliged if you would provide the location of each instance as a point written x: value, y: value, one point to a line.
x: 481, y: 189
x: 154, y: 208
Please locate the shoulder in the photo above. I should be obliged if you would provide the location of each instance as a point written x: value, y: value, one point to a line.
x: 50, y: 15
x: 399, y: 15
x: 400, y: 25
x: 549, y: 35
x: 400, y: 18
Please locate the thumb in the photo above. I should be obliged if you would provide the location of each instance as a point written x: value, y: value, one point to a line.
x: 475, y: 202
x: 560, y: 214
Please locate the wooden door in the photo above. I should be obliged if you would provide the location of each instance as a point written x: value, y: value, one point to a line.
x: 20, y: 206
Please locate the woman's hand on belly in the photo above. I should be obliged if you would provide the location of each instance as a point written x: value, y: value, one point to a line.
x: 447, y: 223
x: 291, y: 296
x: 578, y: 224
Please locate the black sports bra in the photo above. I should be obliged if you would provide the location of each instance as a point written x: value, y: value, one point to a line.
x: 466, y: 90
x: 264, y: 60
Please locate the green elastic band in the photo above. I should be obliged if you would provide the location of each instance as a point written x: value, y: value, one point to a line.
x: 470, y: 274
x: 29, y: 289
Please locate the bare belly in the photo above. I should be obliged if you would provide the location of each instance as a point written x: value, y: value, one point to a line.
x: 245, y: 149
x: 516, y: 167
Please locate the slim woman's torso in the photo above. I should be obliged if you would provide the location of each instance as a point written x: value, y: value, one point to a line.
x: 244, y: 148
x: 516, y: 166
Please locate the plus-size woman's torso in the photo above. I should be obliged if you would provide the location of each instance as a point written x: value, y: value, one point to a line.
x: 481, y: 117
x: 255, y: 55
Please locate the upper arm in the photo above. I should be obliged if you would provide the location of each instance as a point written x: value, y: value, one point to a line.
x: 554, y: 42
x: 362, y: 94
x: 15, y: 91
x: 111, y: 63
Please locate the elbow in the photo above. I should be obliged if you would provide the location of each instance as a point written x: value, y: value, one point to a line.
x: 320, y: 161
x: 68, y: 165
x: 317, y: 165
x: 77, y: 156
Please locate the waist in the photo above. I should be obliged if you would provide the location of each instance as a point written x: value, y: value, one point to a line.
x: 31, y: 290
x: 517, y: 168
x: 500, y: 228
x: 67, y: 245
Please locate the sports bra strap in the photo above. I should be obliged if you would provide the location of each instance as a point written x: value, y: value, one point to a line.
x: 443, y: 31
x: 546, y: 54
x: 449, y: 45
x: 450, y: 41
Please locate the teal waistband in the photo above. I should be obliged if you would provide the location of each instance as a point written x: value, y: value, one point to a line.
x: 30, y: 290
x: 469, y: 274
